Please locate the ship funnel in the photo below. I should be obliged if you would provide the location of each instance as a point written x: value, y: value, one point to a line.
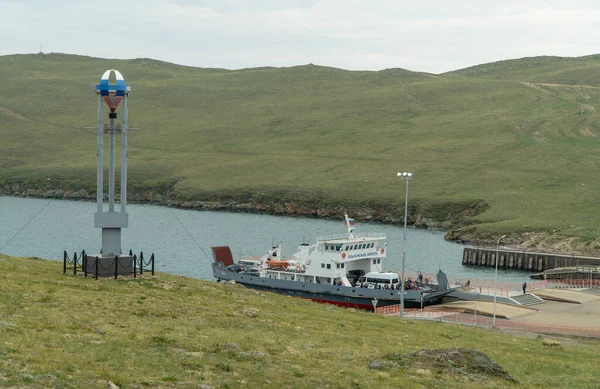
x: 304, y: 253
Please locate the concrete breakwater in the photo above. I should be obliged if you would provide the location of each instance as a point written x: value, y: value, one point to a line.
x: 523, y: 260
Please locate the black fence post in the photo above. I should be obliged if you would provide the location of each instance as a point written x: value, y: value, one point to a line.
x: 116, y: 266
x: 85, y: 265
x: 141, y: 263
x: 96, y: 267
x: 75, y: 263
x: 130, y: 252
x: 134, y: 266
x: 152, y: 259
x: 64, y: 261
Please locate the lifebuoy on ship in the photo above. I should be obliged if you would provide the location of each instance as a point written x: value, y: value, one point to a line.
x: 343, y: 255
x: 298, y: 268
x: 382, y: 251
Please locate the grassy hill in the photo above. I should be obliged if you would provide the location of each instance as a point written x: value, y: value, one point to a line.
x: 520, y: 136
x: 64, y: 331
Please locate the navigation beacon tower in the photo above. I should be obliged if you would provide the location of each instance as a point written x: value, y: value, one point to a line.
x: 111, y: 221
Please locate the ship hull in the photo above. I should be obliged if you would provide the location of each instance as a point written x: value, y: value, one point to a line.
x: 354, y: 297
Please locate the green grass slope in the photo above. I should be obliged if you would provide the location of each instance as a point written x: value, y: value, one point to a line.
x: 63, y: 331
x: 521, y: 135
x: 558, y: 70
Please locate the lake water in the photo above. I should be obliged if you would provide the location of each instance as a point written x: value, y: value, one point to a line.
x: 181, y: 239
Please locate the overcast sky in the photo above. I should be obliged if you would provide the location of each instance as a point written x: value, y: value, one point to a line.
x: 429, y: 35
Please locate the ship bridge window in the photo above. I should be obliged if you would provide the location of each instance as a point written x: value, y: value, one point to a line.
x: 329, y: 266
x: 342, y: 265
x: 347, y: 248
x: 338, y: 248
x: 323, y: 265
x: 374, y: 262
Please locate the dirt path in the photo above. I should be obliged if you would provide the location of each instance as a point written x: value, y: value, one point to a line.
x: 14, y: 114
x: 559, y: 85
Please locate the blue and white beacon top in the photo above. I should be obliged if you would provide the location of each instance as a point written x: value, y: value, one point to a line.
x: 112, y: 93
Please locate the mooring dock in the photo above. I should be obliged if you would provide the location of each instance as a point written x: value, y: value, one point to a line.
x: 523, y: 259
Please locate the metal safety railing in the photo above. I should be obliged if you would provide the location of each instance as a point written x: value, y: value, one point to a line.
x: 388, y: 310
x: 73, y: 263
x: 99, y: 267
x: 141, y: 263
x: 484, y: 321
x: 505, y: 288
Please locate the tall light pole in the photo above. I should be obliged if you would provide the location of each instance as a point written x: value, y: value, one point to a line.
x: 496, y: 278
x: 404, y: 176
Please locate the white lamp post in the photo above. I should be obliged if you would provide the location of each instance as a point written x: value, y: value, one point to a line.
x: 404, y: 176
x: 496, y: 279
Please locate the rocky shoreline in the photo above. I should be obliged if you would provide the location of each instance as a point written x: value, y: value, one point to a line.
x: 379, y: 214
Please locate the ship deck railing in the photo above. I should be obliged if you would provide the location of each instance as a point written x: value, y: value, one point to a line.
x: 288, y: 270
x: 588, y: 269
x: 377, y: 235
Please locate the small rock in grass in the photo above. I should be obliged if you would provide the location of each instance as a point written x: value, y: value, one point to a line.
x: 380, y: 365
x: 229, y: 346
x: 550, y: 342
x: 461, y: 361
x: 248, y: 312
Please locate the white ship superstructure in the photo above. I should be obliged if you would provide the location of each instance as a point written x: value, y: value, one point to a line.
x: 330, y: 259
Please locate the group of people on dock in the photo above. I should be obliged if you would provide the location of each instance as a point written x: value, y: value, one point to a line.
x: 379, y: 286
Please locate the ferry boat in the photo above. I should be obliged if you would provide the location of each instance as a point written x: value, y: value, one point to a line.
x: 345, y: 270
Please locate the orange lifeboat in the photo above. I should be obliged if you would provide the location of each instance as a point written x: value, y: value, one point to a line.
x: 275, y: 264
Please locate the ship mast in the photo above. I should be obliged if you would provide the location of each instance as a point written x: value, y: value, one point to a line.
x: 350, y: 224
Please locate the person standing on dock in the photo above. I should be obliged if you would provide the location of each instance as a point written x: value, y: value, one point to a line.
x: 524, y: 287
